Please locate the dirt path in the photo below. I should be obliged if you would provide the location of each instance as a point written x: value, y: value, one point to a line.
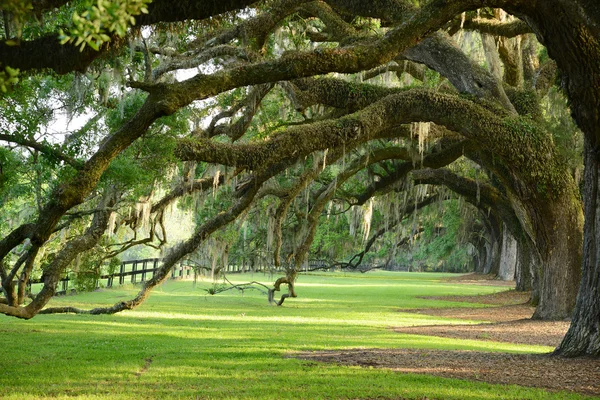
x: 508, y: 321
x: 542, y: 371
x: 480, y: 279
x: 523, y: 331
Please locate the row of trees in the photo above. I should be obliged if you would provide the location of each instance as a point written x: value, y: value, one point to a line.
x: 270, y: 119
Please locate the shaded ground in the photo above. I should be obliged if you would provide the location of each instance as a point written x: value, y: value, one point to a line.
x: 545, y: 333
x: 479, y: 279
x: 578, y: 375
x: 508, y: 321
x: 504, y: 298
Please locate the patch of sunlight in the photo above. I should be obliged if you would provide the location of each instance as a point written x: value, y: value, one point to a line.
x: 367, y: 285
x: 29, y: 396
x: 321, y: 301
x: 437, y: 342
x: 374, y: 320
x: 409, y: 319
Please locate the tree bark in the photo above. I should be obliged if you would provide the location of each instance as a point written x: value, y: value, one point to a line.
x: 558, y: 235
x: 526, y: 273
x: 571, y: 31
x: 583, y: 336
x: 508, y: 258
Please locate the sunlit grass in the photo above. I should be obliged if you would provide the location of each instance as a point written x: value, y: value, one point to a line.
x: 235, y: 346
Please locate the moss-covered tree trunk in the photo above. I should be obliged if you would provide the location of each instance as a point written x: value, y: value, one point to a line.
x: 583, y: 336
x: 557, y: 229
x: 527, y: 270
x: 550, y: 224
x: 495, y: 251
x: 570, y: 29
x: 493, y: 257
x: 488, y: 246
x: 508, y: 258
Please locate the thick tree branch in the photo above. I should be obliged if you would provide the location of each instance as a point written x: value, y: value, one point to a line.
x: 356, y: 260
x: 250, y: 103
x: 47, y: 52
x: 439, y: 53
x: 450, y: 151
x: 186, y: 62
x: 293, y: 65
x: 48, y: 150
x: 62, y: 259
x: 477, y: 193
x: 494, y: 27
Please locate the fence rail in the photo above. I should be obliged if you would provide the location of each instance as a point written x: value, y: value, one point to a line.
x: 138, y: 271
x: 134, y: 271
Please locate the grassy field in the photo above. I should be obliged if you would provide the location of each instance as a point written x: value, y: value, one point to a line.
x: 185, y: 344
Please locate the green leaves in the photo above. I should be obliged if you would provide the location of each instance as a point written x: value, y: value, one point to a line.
x: 8, y: 77
x: 93, y: 26
x: 19, y: 11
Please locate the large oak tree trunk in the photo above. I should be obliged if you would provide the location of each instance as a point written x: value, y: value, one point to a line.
x: 527, y: 270
x: 481, y: 258
x: 508, y: 259
x: 493, y: 243
x: 493, y: 259
x: 570, y: 29
x: 558, y: 233
x: 583, y: 336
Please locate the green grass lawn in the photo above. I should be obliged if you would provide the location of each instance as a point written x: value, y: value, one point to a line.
x: 185, y: 344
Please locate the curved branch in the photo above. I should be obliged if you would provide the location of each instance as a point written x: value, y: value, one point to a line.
x: 186, y: 188
x: 440, y: 53
x: 238, y: 128
x: 356, y: 259
x: 450, y: 151
x: 336, y: 29
x: 47, y: 52
x: 477, y: 193
x: 62, y: 259
x: 182, y: 62
x: 494, y: 27
x: 44, y: 149
x: 277, y: 287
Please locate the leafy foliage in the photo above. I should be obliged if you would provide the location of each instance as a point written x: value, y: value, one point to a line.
x: 91, y: 27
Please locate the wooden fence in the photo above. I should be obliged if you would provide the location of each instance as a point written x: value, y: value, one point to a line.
x: 138, y: 271
x: 134, y: 271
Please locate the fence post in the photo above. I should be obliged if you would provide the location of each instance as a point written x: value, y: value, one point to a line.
x: 144, y: 263
x: 121, y: 276
x: 155, y: 267
x: 134, y: 267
